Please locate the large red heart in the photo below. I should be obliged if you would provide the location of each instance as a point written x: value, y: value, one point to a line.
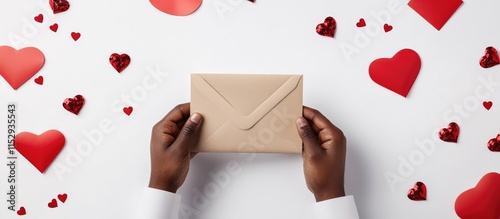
x: 18, y: 66
x: 176, y: 7
x: 482, y: 201
x: 40, y: 150
x: 119, y: 62
x: 397, y: 73
x: 59, y: 6
x: 327, y: 28
x: 450, y: 134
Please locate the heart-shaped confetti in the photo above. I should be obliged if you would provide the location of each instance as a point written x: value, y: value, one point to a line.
x: 59, y: 6
x: 74, y: 105
x: 54, y: 27
x: 482, y: 201
x: 18, y: 66
x: 40, y: 150
x: 128, y: 110
x: 53, y: 203
x: 387, y: 28
x: 62, y: 197
x: 490, y: 58
x: 494, y: 144
x: 487, y: 105
x: 450, y: 134
x: 39, y: 80
x: 327, y: 28
x: 418, y: 192
x: 119, y: 62
x: 361, y: 23
x: 21, y: 211
x: 177, y: 7
x: 39, y: 18
x: 75, y: 35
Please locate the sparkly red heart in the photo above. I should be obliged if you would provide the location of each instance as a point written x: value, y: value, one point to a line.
x: 128, y: 110
x: 21, y: 211
x: 450, y: 134
x: 39, y: 18
x: 119, y: 62
x: 75, y: 104
x: 54, y: 27
x: 361, y: 23
x: 59, y: 6
x: 40, y: 150
x: 327, y: 28
x: 53, y: 203
x: 39, y: 80
x: 387, y: 28
x: 482, y: 201
x: 490, y: 58
x: 487, y: 105
x: 418, y: 192
x: 397, y: 73
x: 75, y: 36
x: 494, y: 144
x: 62, y: 197
x: 18, y: 66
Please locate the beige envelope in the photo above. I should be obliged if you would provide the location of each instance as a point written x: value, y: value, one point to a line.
x: 247, y: 113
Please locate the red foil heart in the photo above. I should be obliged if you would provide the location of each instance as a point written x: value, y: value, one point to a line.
x: 490, y: 58
x: 119, y: 62
x: 75, y: 104
x: 59, y: 6
x: 327, y: 28
x: 494, y: 144
x: 418, y: 192
x: 450, y: 134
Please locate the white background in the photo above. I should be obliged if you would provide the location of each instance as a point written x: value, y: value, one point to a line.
x: 266, y: 37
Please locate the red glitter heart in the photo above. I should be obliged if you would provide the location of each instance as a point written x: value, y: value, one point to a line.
x: 327, y: 28
x: 494, y: 144
x: 59, y: 6
x: 128, y: 110
x: 482, y: 201
x: 487, y: 105
x: 490, y: 58
x: 62, y: 197
x: 119, y: 62
x: 418, y: 192
x: 450, y: 134
x: 75, y: 104
x: 21, y: 211
x: 39, y: 80
x: 75, y: 35
x: 54, y: 27
x: 361, y: 23
x: 53, y: 203
x: 387, y: 28
x: 39, y: 18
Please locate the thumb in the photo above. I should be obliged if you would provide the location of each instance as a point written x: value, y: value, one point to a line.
x: 189, y: 133
x: 309, y: 138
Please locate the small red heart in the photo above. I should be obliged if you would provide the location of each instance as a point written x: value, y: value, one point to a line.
x: 128, y: 110
x: 40, y: 150
x: 397, y: 73
x: 75, y: 36
x: 361, y: 23
x: 75, y: 104
x: 39, y: 80
x: 119, y: 62
x: 62, y: 197
x: 494, y: 144
x: 450, y: 134
x: 418, y: 192
x: 487, y: 105
x: 39, y: 18
x: 59, y: 6
x: 490, y: 58
x: 387, y: 28
x: 53, y: 203
x: 327, y: 28
x: 21, y: 211
x: 54, y: 27
x: 482, y: 201
x: 18, y: 66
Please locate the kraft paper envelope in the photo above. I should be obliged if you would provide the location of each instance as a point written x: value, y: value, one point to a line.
x: 247, y: 113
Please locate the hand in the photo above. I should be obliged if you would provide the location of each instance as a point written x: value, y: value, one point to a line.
x: 324, y: 155
x: 171, y: 140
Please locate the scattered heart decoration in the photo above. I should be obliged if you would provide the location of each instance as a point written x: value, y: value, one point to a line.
x: 418, y: 192
x: 177, y: 7
x: 62, y: 197
x: 387, y: 28
x: 397, y: 73
x: 327, y: 28
x: 75, y: 36
x: 40, y: 150
x: 119, y: 62
x: 53, y: 203
x: 487, y: 105
x: 59, y: 6
x: 361, y: 23
x: 128, y: 110
x: 18, y: 66
x: 490, y: 58
x: 39, y: 18
x: 482, y: 201
x: 54, y: 27
x: 39, y: 80
x: 74, y: 105
x: 494, y: 144
x: 21, y: 211
x: 450, y: 134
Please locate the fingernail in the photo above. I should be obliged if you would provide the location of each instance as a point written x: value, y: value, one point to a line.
x: 196, y: 118
x: 301, y: 122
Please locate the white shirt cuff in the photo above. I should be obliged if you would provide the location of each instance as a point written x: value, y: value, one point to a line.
x: 337, y: 208
x: 158, y: 204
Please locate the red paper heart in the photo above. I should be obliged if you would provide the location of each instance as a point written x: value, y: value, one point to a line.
x: 494, y: 144
x: 40, y: 150
x: 450, y: 134
x: 418, y: 192
x: 59, y: 6
x: 487, y: 105
x: 53, y: 203
x: 54, y: 27
x: 482, y: 201
x: 74, y: 105
x: 75, y: 36
x: 39, y: 18
x: 128, y: 110
x: 397, y: 73
x: 21, y: 211
x: 39, y: 80
x: 18, y: 66
x: 387, y: 28
x: 437, y: 13
x: 119, y: 62
x: 490, y: 58
x: 62, y: 197
x: 327, y: 28
x: 176, y: 7
x: 361, y: 23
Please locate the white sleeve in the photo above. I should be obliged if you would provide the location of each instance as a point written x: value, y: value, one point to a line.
x: 337, y: 208
x: 158, y: 204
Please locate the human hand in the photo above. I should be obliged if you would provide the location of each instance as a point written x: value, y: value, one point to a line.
x: 171, y: 140
x: 324, y: 155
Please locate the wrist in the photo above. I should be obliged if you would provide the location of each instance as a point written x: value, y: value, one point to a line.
x: 329, y: 194
x: 161, y: 185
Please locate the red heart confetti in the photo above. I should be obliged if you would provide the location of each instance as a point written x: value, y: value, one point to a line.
x: 62, y: 197
x: 74, y: 105
x: 487, y: 105
x: 450, y: 134
x: 21, y: 211
x: 418, y: 192
x: 119, y: 62
x: 75, y: 35
x: 59, y: 6
x: 361, y: 23
x: 39, y: 18
x: 18, y: 66
x: 437, y: 13
x: 490, y: 58
x: 40, y: 150
x: 177, y: 7
x: 128, y: 110
x: 327, y: 28
x: 482, y: 201
x: 53, y: 203
x: 39, y: 80
x: 54, y: 27
x: 387, y: 28
x: 494, y: 144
